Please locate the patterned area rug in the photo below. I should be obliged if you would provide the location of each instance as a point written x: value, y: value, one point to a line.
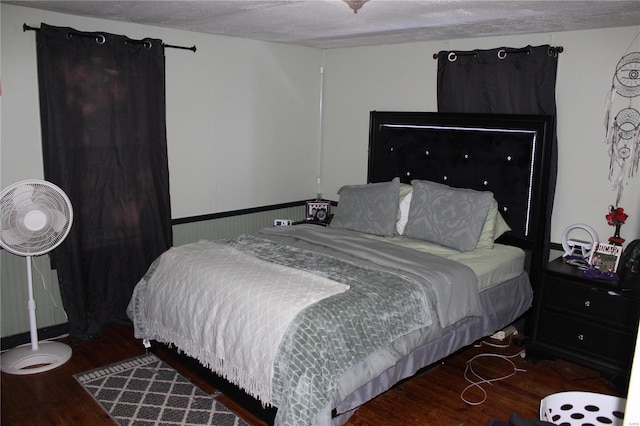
x: 146, y: 391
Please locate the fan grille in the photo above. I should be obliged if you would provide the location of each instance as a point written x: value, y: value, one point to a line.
x: 35, y: 217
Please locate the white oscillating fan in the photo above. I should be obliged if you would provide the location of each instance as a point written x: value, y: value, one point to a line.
x: 35, y: 217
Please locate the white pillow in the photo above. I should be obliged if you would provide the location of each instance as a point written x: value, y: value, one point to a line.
x: 403, y: 213
x: 501, y: 227
x: 487, y: 236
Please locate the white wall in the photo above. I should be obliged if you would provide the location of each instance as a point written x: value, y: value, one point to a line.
x: 242, y: 115
x: 403, y: 77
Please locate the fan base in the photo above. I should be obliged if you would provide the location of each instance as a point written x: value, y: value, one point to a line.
x: 23, y: 360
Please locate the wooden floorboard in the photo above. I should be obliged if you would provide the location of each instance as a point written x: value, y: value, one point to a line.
x: 430, y: 398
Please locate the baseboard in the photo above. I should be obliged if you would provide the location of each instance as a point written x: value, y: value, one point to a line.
x: 231, y: 213
x: 44, y: 333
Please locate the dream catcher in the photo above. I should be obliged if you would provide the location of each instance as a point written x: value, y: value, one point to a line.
x: 623, y: 131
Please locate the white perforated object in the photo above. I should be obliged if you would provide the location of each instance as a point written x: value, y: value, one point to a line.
x: 582, y: 408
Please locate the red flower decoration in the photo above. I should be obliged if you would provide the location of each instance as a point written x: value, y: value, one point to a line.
x: 616, y: 216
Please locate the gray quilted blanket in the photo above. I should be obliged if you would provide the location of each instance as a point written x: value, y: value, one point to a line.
x: 327, y: 338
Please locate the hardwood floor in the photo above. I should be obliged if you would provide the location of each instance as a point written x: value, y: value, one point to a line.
x: 430, y: 398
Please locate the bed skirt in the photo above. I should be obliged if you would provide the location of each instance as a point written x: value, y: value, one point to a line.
x: 502, y: 304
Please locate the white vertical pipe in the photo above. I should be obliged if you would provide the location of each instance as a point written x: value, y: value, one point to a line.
x: 320, y: 116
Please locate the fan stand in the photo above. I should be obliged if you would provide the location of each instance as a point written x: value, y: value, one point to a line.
x: 37, y: 357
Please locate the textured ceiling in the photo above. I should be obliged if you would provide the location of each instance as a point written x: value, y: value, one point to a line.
x: 331, y: 23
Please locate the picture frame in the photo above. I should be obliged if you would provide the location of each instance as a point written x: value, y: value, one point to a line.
x: 318, y: 211
x: 606, y: 257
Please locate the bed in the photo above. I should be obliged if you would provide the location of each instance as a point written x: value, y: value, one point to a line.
x: 437, y: 250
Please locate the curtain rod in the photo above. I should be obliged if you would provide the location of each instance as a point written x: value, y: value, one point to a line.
x: 502, y: 53
x: 99, y: 36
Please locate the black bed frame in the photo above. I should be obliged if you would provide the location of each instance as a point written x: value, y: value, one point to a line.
x: 435, y: 146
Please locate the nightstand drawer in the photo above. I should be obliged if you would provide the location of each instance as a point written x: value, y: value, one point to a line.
x: 616, y: 310
x: 587, y: 337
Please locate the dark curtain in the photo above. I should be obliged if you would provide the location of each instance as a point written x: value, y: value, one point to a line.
x: 504, y: 81
x: 102, y: 106
x: 523, y: 82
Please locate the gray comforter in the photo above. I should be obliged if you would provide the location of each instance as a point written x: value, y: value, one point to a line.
x: 389, y: 296
x: 454, y: 284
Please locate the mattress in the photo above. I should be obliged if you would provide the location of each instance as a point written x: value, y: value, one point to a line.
x: 491, y: 265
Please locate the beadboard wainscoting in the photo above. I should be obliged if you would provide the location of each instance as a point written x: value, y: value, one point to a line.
x: 14, y: 317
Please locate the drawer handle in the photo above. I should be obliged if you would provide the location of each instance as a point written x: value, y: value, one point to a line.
x: 587, y: 303
x: 581, y: 337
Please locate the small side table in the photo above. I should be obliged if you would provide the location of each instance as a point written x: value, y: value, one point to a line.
x: 589, y: 322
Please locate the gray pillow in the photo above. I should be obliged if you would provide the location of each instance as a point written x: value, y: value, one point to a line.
x: 370, y: 208
x: 452, y: 217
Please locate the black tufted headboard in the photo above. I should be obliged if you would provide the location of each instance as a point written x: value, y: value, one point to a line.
x: 508, y: 155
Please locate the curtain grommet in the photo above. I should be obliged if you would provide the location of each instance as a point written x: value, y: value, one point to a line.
x: 101, y: 39
x: 502, y: 54
x: 452, y: 56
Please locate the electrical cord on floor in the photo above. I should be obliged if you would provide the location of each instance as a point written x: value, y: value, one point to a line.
x: 44, y: 285
x: 478, y: 383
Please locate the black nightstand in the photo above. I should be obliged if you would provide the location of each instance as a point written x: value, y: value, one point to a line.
x: 589, y: 322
